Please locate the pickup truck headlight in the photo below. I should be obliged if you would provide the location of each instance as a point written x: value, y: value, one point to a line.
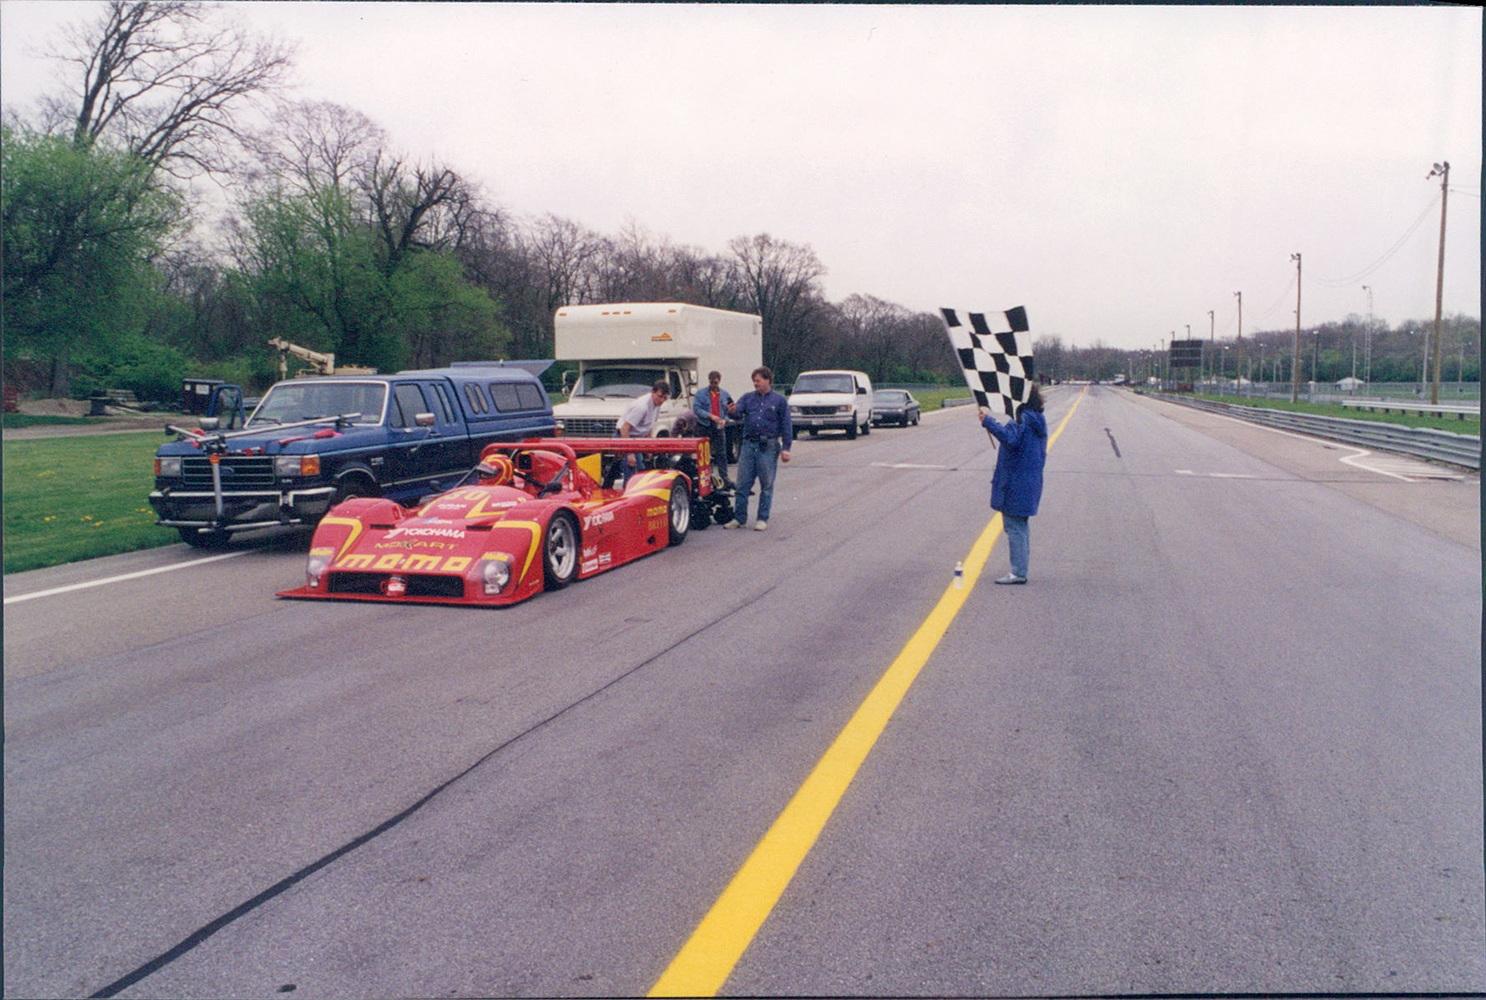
x: 289, y: 466
x: 794, y: 411
x: 168, y: 468
x: 843, y: 409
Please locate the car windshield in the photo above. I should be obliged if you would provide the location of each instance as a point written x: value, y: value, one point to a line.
x: 890, y: 397
x: 823, y: 383
x: 288, y: 402
x: 609, y: 382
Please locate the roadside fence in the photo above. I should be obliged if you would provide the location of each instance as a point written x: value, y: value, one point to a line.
x: 1421, y: 442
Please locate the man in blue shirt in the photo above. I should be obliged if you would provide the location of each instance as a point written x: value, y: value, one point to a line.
x: 767, y: 435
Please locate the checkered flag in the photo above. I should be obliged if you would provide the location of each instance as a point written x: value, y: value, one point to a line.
x: 995, y: 351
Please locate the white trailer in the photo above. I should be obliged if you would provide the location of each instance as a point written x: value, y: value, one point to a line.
x: 624, y: 348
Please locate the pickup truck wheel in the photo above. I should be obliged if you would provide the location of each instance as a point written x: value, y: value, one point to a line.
x: 680, y: 513
x: 560, y: 550
x: 851, y: 430
x: 867, y: 427
x: 205, y: 539
x: 354, y: 485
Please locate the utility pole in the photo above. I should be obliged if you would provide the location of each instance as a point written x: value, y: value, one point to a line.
x: 1238, y: 363
x: 1367, y: 342
x: 1443, y: 169
x: 1212, y: 348
x: 1295, y: 362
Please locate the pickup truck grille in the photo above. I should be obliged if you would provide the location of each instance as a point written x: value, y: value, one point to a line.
x: 589, y: 427
x: 239, y: 472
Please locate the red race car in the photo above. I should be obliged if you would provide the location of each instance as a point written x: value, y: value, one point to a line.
x: 534, y: 515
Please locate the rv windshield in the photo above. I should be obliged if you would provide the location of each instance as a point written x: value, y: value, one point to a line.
x: 822, y: 383
x: 607, y: 383
x: 288, y: 402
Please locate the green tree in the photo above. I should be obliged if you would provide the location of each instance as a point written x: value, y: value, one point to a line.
x: 81, y: 227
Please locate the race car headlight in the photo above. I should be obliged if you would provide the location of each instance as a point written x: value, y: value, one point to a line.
x: 168, y: 468
x: 288, y: 466
x: 316, y: 565
x: 495, y: 574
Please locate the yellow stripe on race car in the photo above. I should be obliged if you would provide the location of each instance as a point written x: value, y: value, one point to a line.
x: 536, y: 541
x: 353, y: 523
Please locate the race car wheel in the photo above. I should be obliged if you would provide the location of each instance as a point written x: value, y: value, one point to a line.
x: 560, y: 550
x: 680, y: 511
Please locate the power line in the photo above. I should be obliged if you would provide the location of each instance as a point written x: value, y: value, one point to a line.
x: 1398, y: 244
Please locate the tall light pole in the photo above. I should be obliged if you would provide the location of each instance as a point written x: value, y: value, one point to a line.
x: 1367, y: 342
x: 1238, y: 363
x: 1295, y: 361
x: 1443, y: 170
x: 1212, y: 344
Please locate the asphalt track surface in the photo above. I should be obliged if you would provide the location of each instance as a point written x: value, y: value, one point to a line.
x: 1227, y: 740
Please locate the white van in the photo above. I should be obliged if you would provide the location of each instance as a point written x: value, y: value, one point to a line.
x: 833, y: 400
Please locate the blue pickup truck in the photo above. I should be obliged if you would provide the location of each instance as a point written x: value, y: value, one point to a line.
x: 313, y: 442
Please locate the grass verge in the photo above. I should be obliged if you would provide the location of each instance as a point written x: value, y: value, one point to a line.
x: 11, y: 421
x: 1470, y: 425
x: 79, y: 498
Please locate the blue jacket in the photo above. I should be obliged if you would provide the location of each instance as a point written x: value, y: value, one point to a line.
x: 1016, y: 485
x: 766, y: 417
x: 701, y: 406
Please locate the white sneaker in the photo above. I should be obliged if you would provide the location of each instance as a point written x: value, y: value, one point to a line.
x: 761, y: 526
x: 731, y: 525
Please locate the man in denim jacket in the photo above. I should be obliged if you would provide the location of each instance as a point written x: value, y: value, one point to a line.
x: 711, y: 407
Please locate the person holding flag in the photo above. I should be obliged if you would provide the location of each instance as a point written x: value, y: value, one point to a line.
x: 1016, y: 485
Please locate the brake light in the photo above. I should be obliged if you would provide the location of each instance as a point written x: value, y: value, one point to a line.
x: 394, y: 586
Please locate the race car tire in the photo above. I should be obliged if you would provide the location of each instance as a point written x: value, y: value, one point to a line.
x: 678, y: 515
x: 722, y: 511
x: 205, y: 539
x: 560, y: 548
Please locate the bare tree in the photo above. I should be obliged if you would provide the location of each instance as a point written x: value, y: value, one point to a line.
x: 781, y: 282
x: 165, y: 81
x: 416, y: 206
x: 320, y: 144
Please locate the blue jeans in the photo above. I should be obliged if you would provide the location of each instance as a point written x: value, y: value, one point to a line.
x: 1019, y: 540
x: 756, y: 459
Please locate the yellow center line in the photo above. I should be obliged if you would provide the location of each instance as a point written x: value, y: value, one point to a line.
x: 709, y: 955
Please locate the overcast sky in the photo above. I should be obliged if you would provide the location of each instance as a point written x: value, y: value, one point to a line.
x: 1120, y: 171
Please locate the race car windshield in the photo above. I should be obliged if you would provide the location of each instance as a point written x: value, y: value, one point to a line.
x: 289, y: 402
x: 823, y: 383
x: 608, y: 382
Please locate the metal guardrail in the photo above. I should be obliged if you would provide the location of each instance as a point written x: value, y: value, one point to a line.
x: 1459, y: 410
x: 1422, y: 442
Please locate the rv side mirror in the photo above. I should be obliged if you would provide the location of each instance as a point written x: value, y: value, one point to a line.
x: 861, y: 390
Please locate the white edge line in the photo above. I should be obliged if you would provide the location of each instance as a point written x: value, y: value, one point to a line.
x: 1348, y: 460
x: 126, y: 576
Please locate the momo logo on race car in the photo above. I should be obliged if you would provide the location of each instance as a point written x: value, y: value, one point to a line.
x: 426, y: 532
x: 411, y: 562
